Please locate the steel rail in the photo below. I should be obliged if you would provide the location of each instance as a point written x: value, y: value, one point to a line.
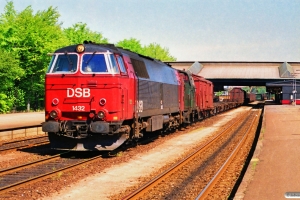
x: 11, y: 169
x: 155, y: 181
x: 22, y: 140
x: 11, y: 143
x: 204, y: 193
x: 44, y: 176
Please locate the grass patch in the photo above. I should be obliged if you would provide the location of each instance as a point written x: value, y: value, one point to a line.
x: 262, y: 133
x: 119, y: 154
x: 254, y: 162
x: 58, y: 176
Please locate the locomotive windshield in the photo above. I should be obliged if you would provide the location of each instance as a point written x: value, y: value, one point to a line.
x: 99, y: 63
x: 93, y: 63
x: 63, y: 63
x: 90, y: 63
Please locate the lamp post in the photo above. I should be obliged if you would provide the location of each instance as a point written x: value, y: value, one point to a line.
x: 295, y: 91
x: 294, y: 75
x: 294, y: 94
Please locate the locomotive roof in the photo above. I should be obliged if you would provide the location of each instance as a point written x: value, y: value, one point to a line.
x: 89, y: 48
x: 92, y: 47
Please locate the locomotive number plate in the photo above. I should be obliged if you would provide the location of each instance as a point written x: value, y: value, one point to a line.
x: 78, y: 108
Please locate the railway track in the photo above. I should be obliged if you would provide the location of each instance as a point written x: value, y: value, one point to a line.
x: 22, y: 190
x: 215, y: 188
x: 18, y: 176
x: 199, y: 173
x: 23, y: 143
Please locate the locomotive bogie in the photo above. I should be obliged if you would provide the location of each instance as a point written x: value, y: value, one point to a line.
x: 162, y: 122
x: 95, y: 143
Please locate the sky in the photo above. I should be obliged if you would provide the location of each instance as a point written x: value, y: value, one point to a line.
x: 192, y: 30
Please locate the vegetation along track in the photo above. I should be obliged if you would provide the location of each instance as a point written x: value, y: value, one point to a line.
x: 189, y: 178
x: 17, y: 176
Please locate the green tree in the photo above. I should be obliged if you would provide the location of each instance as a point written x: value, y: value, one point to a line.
x: 261, y: 90
x: 30, y: 37
x: 247, y: 88
x: 10, y: 72
x: 156, y: 51
x: 79, y: 33
x: 25, y: 40
x: 5, y: 104
x: 131, y: 44
x: 152, y: 50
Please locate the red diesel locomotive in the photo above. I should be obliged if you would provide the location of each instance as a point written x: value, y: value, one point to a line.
x: 98, y: 96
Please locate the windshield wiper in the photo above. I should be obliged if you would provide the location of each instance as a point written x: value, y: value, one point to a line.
x: 87, y: 62
x: 70, y: 61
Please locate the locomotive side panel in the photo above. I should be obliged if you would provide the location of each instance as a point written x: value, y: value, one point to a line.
x: 157, y: 88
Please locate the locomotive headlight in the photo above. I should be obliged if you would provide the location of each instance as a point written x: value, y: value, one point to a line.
x: 102, y: 102
x: 80, y: 48
x: 54, y: 114
x: 101, y: 115
x: 55, y: 101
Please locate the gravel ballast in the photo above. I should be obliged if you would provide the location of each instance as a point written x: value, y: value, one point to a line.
x: 115, y: 179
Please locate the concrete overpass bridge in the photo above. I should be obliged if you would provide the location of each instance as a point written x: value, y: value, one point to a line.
x: 280, y: 78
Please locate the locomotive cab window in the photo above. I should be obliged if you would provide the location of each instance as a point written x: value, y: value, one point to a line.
x: 121, y: 64
x: 51, y: 63
x: 94, y: 63
x: 63, y: 63
x: 114, y: 65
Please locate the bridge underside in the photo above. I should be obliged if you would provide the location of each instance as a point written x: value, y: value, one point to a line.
x: 279, y: 78
x: 220, y: 83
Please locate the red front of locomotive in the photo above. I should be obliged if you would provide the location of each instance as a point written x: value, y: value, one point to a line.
x: 90, y: 98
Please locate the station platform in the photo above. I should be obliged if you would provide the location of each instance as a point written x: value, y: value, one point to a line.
x: 14, y: 120
x: 275, y: 166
